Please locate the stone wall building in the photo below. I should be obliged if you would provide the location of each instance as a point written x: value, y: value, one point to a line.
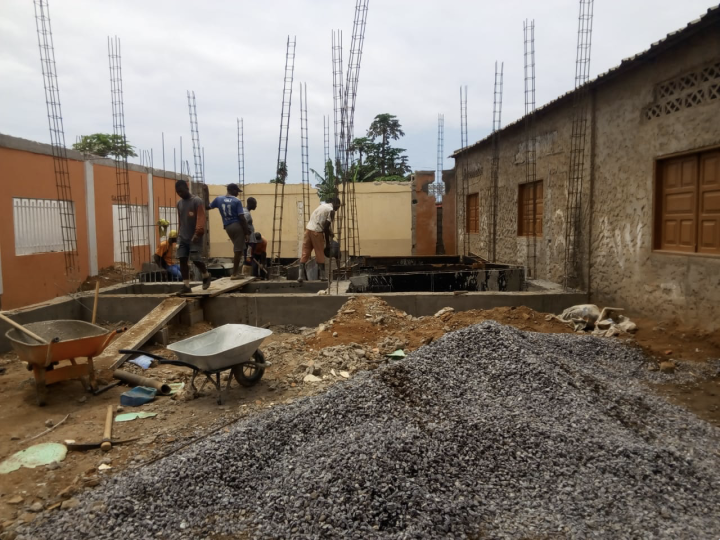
x: 650, y: 220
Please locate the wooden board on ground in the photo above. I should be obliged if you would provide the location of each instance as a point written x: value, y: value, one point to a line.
x: 140, y: 332
x: 219, y: 286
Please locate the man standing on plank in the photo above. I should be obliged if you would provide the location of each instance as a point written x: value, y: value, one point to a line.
x: 318, y: 232
x: 234, y: 223
x: 191, y: 225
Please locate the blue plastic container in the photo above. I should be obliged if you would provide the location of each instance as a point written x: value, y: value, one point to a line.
x: 140, y: 395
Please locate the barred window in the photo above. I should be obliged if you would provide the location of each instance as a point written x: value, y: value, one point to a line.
x: 37, y: 224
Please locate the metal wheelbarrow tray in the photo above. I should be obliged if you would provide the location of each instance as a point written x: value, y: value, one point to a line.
x: 67, y: 340
x: 228, y: 347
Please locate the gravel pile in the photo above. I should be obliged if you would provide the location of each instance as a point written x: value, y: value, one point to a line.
x: 487, y: 432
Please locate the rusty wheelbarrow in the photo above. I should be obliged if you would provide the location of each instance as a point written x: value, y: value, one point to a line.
x: 67, y: 340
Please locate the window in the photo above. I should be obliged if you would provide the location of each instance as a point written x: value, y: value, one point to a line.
x: 687, y: 204
x: 472, y: 213
x: 530, y: 209
x: 37, y: 224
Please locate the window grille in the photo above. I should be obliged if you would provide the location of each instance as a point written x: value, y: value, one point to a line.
x: 684, y: 92
x: 37, y: 225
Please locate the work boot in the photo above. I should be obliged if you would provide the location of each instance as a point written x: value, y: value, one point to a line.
x: 321, y: 271
x: 206, y: 281
x: 302, y: 276
x: 185, y: 290
x: 235, y: 277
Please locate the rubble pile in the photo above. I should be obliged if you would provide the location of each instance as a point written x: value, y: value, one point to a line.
x: 487, y: 432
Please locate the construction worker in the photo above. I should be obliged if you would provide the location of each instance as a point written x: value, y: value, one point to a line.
x: 250, y: 205
x: 318, y: 233
x: 191, y: 225
x: 259, y: 256
x: 234, y: 223
x: 164, y: 257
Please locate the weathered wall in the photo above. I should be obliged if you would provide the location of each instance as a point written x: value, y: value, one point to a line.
x: 625, y: 268
x: 617, y: 260
x: 384, y: 217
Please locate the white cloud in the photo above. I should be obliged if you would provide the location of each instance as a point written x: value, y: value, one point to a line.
x: 416, y: 55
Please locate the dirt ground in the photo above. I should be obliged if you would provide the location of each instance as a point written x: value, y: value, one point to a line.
x: 113, y: 275
x: 304, y: 361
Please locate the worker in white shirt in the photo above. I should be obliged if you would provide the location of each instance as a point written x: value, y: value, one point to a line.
x: 317, y: 235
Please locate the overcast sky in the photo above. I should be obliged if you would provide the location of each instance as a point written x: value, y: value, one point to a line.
x: 417, y: 53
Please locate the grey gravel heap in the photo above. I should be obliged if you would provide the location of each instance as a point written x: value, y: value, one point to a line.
x: 489, y: 432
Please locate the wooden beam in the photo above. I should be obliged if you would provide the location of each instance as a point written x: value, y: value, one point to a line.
x: 219, y: 286
x: 140, y: 333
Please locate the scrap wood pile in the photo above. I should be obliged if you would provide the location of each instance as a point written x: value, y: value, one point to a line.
x: 486, y: 432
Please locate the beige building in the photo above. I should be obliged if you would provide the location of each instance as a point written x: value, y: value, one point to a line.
x: 384, y: 218
x: 650, y: 215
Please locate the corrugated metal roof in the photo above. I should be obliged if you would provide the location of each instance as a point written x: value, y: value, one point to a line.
x: 671, y: 39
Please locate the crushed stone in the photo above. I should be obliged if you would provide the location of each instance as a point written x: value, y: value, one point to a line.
x: 488, y: 432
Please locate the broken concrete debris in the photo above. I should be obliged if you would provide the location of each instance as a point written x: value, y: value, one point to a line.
x: 607, y: 322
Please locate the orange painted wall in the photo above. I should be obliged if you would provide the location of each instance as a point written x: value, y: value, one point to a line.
x: 106, y: 196
x: 425, y: 215
x: 28, y: 279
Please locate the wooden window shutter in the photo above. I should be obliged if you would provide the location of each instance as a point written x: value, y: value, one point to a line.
x: 708, y: 228
x: 678, y: 193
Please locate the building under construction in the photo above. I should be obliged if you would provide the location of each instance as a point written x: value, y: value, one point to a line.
x: 649, y: 225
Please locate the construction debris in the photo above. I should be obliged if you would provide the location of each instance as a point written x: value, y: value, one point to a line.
x: 489, y: 431
x: 589, y: 318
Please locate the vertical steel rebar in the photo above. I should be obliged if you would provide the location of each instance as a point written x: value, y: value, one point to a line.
x: 57, y: 138
x: 463, y: 185
x: 530, y: 149
x: 304, y: 152
x: 576, y: 171
x: 122, y: 178
x: 495, y: 165
x: 281, y: 169
x: 195, y: 134
x: 241, y: 154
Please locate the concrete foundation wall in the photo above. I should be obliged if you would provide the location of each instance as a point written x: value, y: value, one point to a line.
x: 617, y: 262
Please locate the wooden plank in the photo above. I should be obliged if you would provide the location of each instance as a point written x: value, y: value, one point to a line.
x: 219, y: 286
x: 138, y: 335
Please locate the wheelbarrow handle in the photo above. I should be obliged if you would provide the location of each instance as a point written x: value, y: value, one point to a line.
x: 135, y: 351
x: 160, y: 359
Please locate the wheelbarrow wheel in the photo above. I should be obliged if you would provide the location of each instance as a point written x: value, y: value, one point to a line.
x: 250, y: 374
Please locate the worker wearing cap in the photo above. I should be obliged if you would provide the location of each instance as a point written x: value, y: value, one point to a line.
x: 234, y: 223
x: 318, y: 232
x: 164, y: 256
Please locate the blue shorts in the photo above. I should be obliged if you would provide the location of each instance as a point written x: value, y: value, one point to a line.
x: 192, y: 251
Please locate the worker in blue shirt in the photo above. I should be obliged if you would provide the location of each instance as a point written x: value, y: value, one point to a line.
x: 234, y: 223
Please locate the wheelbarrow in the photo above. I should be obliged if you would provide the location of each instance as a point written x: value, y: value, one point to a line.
x: 66, y: 340
x: 231, y: 347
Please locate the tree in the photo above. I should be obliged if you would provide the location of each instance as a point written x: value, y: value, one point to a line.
x: 377, y: 159
x: 327, y: 185
x: 386, y: 127
x: 104, y: 145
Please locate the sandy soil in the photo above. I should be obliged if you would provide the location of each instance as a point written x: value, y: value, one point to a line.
x: 304, y: 361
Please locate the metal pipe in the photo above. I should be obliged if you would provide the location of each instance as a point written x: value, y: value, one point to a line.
x: 137, y: 380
